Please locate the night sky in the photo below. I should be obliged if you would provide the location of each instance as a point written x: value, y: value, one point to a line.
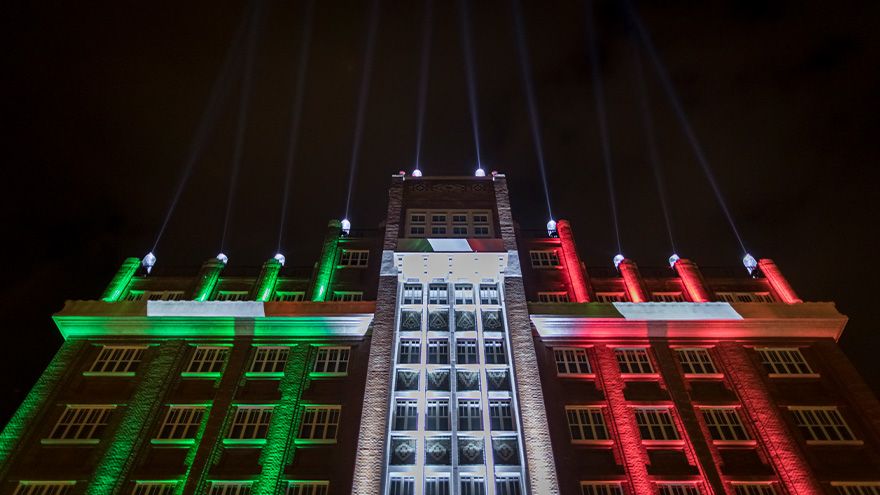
x: 102, y: 100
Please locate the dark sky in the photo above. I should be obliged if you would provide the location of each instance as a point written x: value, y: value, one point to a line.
x: 103, y: 98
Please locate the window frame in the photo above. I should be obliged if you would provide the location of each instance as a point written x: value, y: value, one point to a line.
x: 207, y: 366
x: 602, y: 488
x: 630, y: 364
x: 86, y: 430
x: 722, y: 431
x: 332, y: 411
x: 701, y: 367
x: 591, y: 432
x: 343, y: 359
x: 183, y: 430
x: 256, y: 422
x: 543, y: 259
x: 779, y: 368
x: 797, y: 413
x: 575, y: 364
x: 272, y: 363
x: 128, y: 364
x: 353, y: 258
x: 554, y: 297
x: 28, y: 487
x: 649, y: 412
x: 307, y: 487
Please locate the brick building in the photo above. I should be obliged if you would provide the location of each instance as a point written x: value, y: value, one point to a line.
x: 446, y: 352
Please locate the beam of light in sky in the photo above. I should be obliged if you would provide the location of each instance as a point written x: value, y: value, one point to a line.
x: 362, y: 99
x: 675, y: 101
x: 243, y: 107
x: 427, y: 29
x: 599, y: 96
x: 470, y: 74
x: 296, y: 113
x: 208, y: 121
x: 651, y: 142
x: 534, y: 118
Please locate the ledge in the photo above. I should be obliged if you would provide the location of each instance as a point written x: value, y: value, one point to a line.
x: 244, y: 442
x: 55, y: 441
x: 109, y: 373
x: 173, y: 441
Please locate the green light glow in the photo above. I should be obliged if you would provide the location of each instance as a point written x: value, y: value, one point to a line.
x: 108, y: 373
x: 265, y: 376
x: 193, y: 450
x: 173, y: 441
x: 30, y: 408
x: 209, y: 275
x: 279, y: 449
x: 61, y: 441
x: 327, y: 263
x: 265, y: 286
x: 130, y: 433
x: 116, y: 289
x: 202, y: 374
x: 244, y: 442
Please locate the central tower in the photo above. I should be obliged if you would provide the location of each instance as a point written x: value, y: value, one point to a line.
x: 452, y: 330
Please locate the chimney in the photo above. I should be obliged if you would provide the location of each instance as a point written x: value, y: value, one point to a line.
x: 632, y: 279
x: 116, y: 289
x: 778, y: 282
x: 265, y: 285
x: 209, y: 275
x: 693, y: 281
x: 577, y: 276
x: 327, y: 263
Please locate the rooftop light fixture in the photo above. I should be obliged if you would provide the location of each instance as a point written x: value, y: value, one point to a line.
x: 280, y: 257
x: 750, y: 263
x: 618, y: 259
x: 551, y: 228
x: 346, y: 226
x: 148, y: 261
x: 673, y: 260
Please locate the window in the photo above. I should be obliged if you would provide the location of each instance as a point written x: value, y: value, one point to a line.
x: 347, y: 296
x: 332, y: 360
x: 437, y: 485
x: 472, y: 485
x: 668, y: 297
x: 870, y: 488
x: 181, y: 422
x: 437, y: 415
x: 208, y: 359
x: 412, y: 293
x: 586, y: 423
x: 117, y: 359
x: 308, y: 488
x: 81, y: 423
x: 571, y: 361
x: 448, y: 223
x: 438, y: 294
x: 227, y: 488
x: 288, y: 296
x: 154, y: 488
x: 270, y: 360
x: 592, y: 488
x: 495, y: 351
x: 610, y: 297
x: 633, y: 361
x: 553, y: 297
x: 753, y: 489
x: 406, y: 414
x: 409, y: 351
x: 655, y: 424
x: 232, y: 295
x: 466, y: 351
x: 250, y: 423
x: 470, y: 417
x: 696, y: 361
x: 354, y: 257
x: 438, y: 351
x: 507, y: 485
x: 402, y: 486
x: 745, y: 297
x: 154, y: 295
x: 544, y: 259
x: 678, y: 489
x: 501, y: 415
x: 489, y: 294
x: 464, y: 294
x: 784, y: 361
x: 724, y: 424
x: 43, y: 487
x: 320, y: 423
x: 822, y: 424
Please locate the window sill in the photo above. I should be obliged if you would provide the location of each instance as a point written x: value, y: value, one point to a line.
x: 835, y: 442
x: 640, y: 376
x: 109, y: 373
x: 320, y: 374
x: 61, y: 441
x: 704, y: 376
x: 587, y: 376
x: 205, y: 374
x: 256, y: 375
x: 310, y: 441
x: 173, y: 441
x: 663, y: 443
x: 593, y: 443
x: 735, y: 443
x: 786, y: 375
x: 244, y: 442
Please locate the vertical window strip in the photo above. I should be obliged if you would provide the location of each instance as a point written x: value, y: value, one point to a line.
x: 320, y: 423
x: 784, y: 361
x: 822, y: 424
x: 250, y: 422
x: 634, y: 361
x: 656, y: 424
x: 571, y: 361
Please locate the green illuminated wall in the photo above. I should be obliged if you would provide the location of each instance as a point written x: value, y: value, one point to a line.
x: 265, y: 286
x: 327, y: 263
x: 133, y: 429
x: 209, y: 275
x: 278, y: 451
x: 12, y: 434
x: 116, y: 289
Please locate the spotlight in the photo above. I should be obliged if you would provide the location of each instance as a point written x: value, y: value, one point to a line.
x: 280, y: 257
x: 551, y: 228
x: 417, y: 172
x: 480, y: 172
x: 750, y: 263
x: 673, y: 260
x: 618, y: 259
x: 148, y: 261
x: 223, y: 258
x: 346, y: 226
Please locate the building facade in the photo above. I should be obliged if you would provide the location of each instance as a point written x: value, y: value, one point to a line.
x: 446, y: 352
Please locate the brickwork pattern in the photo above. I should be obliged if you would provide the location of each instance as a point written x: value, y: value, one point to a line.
x: 34, y: 405
x: 635, y: 458
x: 784, y: 451
x: 138, y: 416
